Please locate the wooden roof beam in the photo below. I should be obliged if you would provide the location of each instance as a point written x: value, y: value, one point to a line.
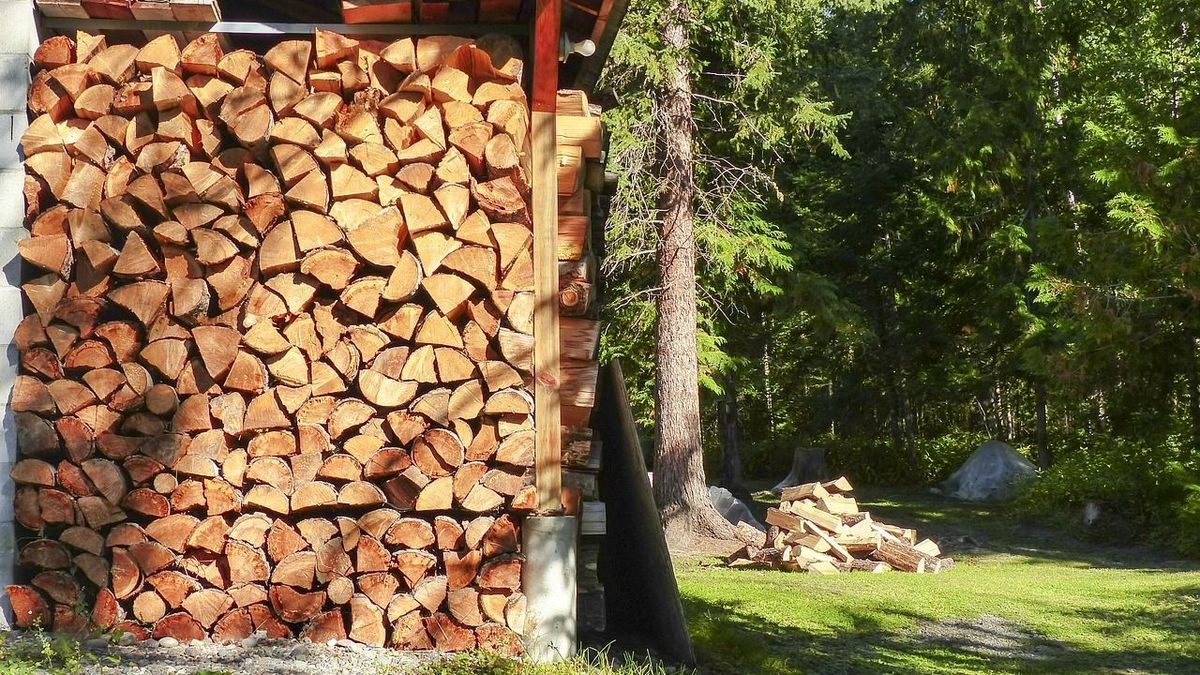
x: 282, y: 28
x: 608, y: 22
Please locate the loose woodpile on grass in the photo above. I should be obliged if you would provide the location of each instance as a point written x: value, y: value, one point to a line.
x: 819, y: 528
x: 276, y: 376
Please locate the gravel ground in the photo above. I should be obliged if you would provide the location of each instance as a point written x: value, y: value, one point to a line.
x: 989, y: 635
x: 252, y: 657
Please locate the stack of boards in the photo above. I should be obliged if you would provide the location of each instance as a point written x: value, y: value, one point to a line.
x: 818, y: 528
x: 141, y: 10
x: 277, y: 373
x: 435, y: 11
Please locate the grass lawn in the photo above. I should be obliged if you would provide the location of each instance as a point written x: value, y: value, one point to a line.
x: 1019, y: 600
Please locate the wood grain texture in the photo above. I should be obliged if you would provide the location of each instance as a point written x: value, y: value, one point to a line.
x: 548, y: 444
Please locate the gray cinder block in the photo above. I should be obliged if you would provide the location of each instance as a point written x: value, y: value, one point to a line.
x: 8, y: 559
x: 10, y: 260
x: 14, y: 80
x: 12, y: 198
x: 12, y: 126
x: 19, y: 32
x: 8, y: 442
x: 11, y: 313
x: 8, y: 490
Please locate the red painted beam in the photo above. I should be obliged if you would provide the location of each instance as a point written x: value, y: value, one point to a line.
x: 547, y: 28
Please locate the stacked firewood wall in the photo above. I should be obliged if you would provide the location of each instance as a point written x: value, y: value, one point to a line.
x: 275, y: 376
x: 581, y: 188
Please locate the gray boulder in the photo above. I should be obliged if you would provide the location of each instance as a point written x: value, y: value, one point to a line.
x: 993, y: 472
x: 733, y: 509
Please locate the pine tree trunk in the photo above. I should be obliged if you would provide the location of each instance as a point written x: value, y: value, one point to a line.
x: 767, y: 385
x: 680, y: 488
x: 731, y: 450
x: 1193, y: 382
x: 1043, y: 444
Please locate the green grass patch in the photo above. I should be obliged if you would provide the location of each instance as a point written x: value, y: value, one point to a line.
x: 38, y: 652
x: 588, y: 662
x: 1020, y: 600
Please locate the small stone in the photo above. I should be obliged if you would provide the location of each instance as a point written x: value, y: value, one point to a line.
x: 151, y: 643
x: 331, y: 642
x: 168, y: 642
x: 127, y: 639
x: 250, y: 642
x: 97, y: 643
x: 356, y: 647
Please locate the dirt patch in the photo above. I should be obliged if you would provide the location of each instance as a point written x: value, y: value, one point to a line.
x: 989, y: 635
x: 699, y: 546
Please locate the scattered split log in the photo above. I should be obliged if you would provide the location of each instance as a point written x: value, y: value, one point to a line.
x: 819, y: 528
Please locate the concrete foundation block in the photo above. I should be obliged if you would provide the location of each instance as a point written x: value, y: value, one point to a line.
x: 548, y: 581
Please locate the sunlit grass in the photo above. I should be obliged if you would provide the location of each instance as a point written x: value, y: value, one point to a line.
x: 587, y: 662
x: 1074, y: 608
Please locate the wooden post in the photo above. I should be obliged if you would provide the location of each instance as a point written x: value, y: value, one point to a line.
x: 547, y: 417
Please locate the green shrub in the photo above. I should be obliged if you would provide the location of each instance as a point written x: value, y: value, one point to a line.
x: 767, y: 458
x: 942, y: 455
x: 38, y: 652
x: 480, y: 663
x: 1188, y: 522
x: 1143, y: 491
x: 868, y: 461
x: 871, y: 462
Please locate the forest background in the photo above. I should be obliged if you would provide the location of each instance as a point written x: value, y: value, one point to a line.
x: 921, y: 224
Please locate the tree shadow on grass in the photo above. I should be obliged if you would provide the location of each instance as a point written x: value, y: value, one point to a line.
x: 731, y: 640
x: 1156, y: 634
x: 1175, y: 612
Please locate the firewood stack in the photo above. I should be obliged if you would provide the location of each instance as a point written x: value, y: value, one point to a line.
x: 582, y: 201
x: 819, y: 528
x: 276, y: 376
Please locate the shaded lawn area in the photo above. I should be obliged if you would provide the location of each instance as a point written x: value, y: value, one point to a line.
x: 1019, y: 600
